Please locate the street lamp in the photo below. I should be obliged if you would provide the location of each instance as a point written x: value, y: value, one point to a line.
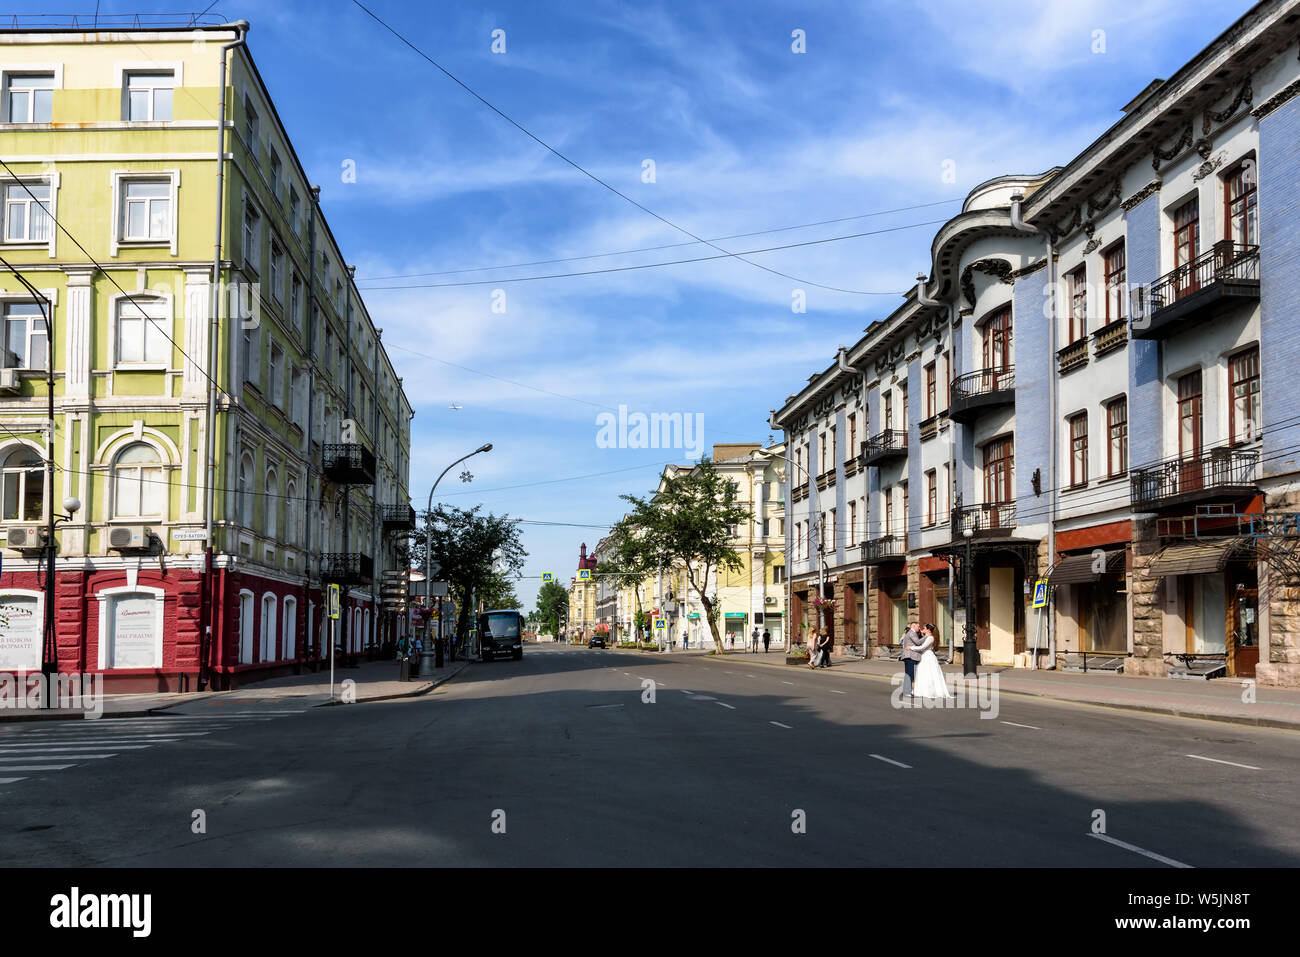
x: 431, y: 658
x: 970, y: 650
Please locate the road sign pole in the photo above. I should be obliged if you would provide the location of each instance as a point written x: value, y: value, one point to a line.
x: 334, y: 624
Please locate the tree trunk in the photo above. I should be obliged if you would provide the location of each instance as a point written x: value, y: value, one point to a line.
x: 708, y: 608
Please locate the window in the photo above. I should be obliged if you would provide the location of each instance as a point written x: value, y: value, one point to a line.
x: 1241, y: 220
x: 276, y: 174
x: 267, y: 650
x: 291, y: 512
x: 244, y: 505
x: 25, y: 339
x: 27, y: 212
x: 295, y: 396
x: 1117, y: 436
x: 1189, y: 415
x: 1076, y: 284
x: 148, y: 97
x: 997, y: 340
x: 272, y: 500
x: 853, y: 435
x: 931, y: 408
x: 289, y: 629
x: 294, y: 210
x: 853, y: 523
x: 274, y: 384
x: 1078, y: 449
x: 906, y: 516
x: 28, y: 97
x: 931, y: 497
x: 998, y: 465
x: 251, y: 127
x: 295, y: 301
x: 1115, y: 260
x: 22, y: 485
x: 139, y: 485
x: 778, y: 574
x: 142, y: 332
x: 831, y: 463
x: 146, y: 210
x: 252, y: 238
x: 1187, y: 232
x: 902, y: 394
x: 1243, y: 386
x: 889, y: 512
x: 947, y: 488
x: 277, y: 271
x: 889, y: 409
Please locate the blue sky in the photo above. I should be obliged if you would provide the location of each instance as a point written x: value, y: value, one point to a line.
x: 745, y: 135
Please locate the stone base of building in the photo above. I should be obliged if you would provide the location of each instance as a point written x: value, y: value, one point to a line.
x: 1277, y: 675
x: 1146, y: 668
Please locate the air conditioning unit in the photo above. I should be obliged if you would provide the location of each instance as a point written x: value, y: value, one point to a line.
x: 769, y: 600
x: 9, y: 380
x: 128, y: 538
x: 26, y: 536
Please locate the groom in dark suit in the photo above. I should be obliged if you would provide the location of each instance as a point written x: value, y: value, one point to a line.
x: 912, y: 646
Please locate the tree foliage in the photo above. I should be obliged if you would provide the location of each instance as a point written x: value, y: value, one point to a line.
x: 552, y: 607
x: 464, y: 542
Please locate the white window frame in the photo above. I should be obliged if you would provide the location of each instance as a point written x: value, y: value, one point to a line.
x: 120, y: 176
x: 162, y: 466
x: 266, y: 634
x: 246, y: 598
x: 168, y: 322
x: 27, y: 69
x: 270, y: 517
x: 8, y: 450
x: 253, y: 262
x: 288, y: 627
x: 105, y: 596
x: 52, y: 180
x: 277, y: 260
x: 123, y: 75
x: 6, y: 298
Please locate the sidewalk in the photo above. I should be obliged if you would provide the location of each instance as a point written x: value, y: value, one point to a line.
x: 372, y: 681
x: 1217, y: 700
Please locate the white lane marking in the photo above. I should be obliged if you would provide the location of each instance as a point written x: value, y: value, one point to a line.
x: 1029, y: 726
x: 684, y: 691
x: 751, y: 676
x: 101, y: 741
x: 40, y: 767
x: 833, y: 691
x: 46, y: 756
x: 725, y: 705
x: 11, y: 780
x: 29, y: 748
x: 1138, y: 850
x: 900, y: 764
x: 780, y: 725
x: 784, y: 682
x: 1248, y: 767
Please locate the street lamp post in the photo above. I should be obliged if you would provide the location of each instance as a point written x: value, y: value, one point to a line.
x: 431, y: 658
x: 970, y: 650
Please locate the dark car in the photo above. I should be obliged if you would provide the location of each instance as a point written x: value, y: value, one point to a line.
x: 501, y: 633
x: 597, y: 641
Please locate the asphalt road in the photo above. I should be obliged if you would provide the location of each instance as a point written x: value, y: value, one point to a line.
x: 558, y: 759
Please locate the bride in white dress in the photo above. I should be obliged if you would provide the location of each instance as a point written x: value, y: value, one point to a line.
x: 930, y: 682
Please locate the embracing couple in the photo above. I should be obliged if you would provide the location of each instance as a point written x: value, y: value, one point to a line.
x: 923, y: 678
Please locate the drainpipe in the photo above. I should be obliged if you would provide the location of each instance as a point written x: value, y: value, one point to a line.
x: 214, y: 322
x: 1018, y: 223
x: 311, y: 646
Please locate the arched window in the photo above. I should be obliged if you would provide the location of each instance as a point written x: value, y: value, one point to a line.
x: 139, y: 484
x: 267, y: 651
x: 245, y: 627
x: 289, y: 629
x: 291, y: 512
x: 271, y: 502
x: 22, y: 485
x: 245, y: 508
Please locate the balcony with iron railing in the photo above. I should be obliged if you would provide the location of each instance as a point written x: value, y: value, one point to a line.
x: 347, y: 568
x: 1216, y: 473
x: 1074, y: 356
x: 1113, y: 335
x: 987, y: 520
x: 1196, y: 290
x: 975, y: 392
x: 886, y: 548
x: 398, y: 517
x: 348, y: 463
x: 889, y: 444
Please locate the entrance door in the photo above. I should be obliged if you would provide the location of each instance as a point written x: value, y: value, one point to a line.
x: 1243, y: 633
x: 1002, y: 615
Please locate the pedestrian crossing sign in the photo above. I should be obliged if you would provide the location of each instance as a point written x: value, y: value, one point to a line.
x: 660, y: 624
x: 584, y: 574
x: 1040, y: 593
x: 334, y: 601
x: 547, y: 577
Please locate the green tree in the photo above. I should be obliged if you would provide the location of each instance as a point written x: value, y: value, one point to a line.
x: 465, y: 543
x: 630, y: 562
x: 688, y: 523
x: 552, y: 607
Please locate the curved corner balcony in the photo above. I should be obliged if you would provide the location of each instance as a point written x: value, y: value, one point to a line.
x: 889, y: 444
x: 887, y: 548
x: 979, y: 391
x: 1226, y: 275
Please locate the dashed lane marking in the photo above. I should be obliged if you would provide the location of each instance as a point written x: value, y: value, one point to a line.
x: 880, y: 757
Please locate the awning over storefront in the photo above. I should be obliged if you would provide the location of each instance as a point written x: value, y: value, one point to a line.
x: 1194, y: 559
x: 1078, y: 569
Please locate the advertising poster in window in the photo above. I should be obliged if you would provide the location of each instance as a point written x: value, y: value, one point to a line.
x: 22, y: 622
x: 134, y: 642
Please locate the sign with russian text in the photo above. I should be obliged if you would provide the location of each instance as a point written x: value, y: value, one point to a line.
x: 20, y: 635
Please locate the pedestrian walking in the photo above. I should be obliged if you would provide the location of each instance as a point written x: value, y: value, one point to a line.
x: 686, y: 641
x: 811, y: 641
x: 913, y: 646
x: 753, y: 641
x: 767, y: 640
x: 824, y: 646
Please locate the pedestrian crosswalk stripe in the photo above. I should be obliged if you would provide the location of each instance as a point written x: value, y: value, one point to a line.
x: 40, y: 767
x: 29, y: 748
x: 11, y: 780
x: 56, y: 757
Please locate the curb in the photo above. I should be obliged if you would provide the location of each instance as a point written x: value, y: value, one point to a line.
x: 1275, y: 723
x: 422, y: 690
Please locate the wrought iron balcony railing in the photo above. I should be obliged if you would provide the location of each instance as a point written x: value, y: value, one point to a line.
x: 988, y: 519
x: 1196, y: 290
x: 887, y: 548
x: 347, y: 568
x: 984, y: 388
x: 348, y: 463
x: 891, y: 443
x: 1216, y: 473
x: 398, y: 516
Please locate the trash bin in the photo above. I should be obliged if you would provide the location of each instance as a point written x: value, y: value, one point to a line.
x: 404, y: 669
